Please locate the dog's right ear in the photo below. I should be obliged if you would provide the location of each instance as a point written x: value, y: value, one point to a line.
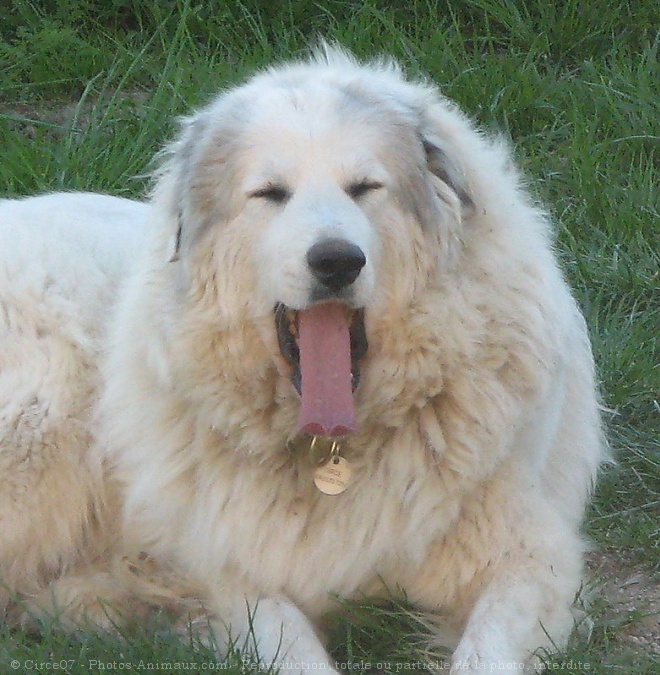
x: 175, y: 251
x: 184, y: 156
x: 200, y: 174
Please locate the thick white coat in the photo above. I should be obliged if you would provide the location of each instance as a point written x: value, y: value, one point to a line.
x: 480, y: 434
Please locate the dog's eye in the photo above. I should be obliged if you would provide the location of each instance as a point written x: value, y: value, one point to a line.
x: 361, y: 188
x: 277, y: 194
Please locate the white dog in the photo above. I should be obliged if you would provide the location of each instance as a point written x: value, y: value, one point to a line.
x: 340, y: 359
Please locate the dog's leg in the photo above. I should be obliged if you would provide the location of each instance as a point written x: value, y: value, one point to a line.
x: 522, y: 608
x: 50, y: 493
x: 114, y: 592
x: 509, y: 570
x: 276, y: 633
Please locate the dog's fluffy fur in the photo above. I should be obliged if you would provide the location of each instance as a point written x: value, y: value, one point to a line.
x: 140, y: 375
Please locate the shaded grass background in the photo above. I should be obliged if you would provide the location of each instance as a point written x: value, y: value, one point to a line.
x: 90, y: 89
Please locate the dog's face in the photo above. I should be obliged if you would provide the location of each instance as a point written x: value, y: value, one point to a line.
x: 323, y: 187
x: 314, y: 182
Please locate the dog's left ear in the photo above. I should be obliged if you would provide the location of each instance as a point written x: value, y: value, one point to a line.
x: 449, y: 181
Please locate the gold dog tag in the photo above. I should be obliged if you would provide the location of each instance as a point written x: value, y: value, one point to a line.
x: 333, y: 477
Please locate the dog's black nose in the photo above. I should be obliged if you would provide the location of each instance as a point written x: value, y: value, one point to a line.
x: 336, y: 263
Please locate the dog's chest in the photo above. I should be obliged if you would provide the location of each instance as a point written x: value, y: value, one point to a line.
x: 288, y: 536
x: 312, y: 544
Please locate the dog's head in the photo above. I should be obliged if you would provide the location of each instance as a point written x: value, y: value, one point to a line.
x: 327, y: 191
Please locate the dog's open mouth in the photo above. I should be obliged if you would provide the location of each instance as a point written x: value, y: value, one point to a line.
x: 324, y: 344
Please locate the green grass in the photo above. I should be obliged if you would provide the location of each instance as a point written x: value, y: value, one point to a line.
x: 89, y: 90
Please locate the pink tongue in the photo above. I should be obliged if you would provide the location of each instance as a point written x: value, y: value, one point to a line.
x: 324, y: 341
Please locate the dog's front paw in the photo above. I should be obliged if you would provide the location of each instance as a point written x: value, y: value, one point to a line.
x: 301, y: 666
x: 282, y: 639
x: 477, y: 664
x: 487, y: 658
